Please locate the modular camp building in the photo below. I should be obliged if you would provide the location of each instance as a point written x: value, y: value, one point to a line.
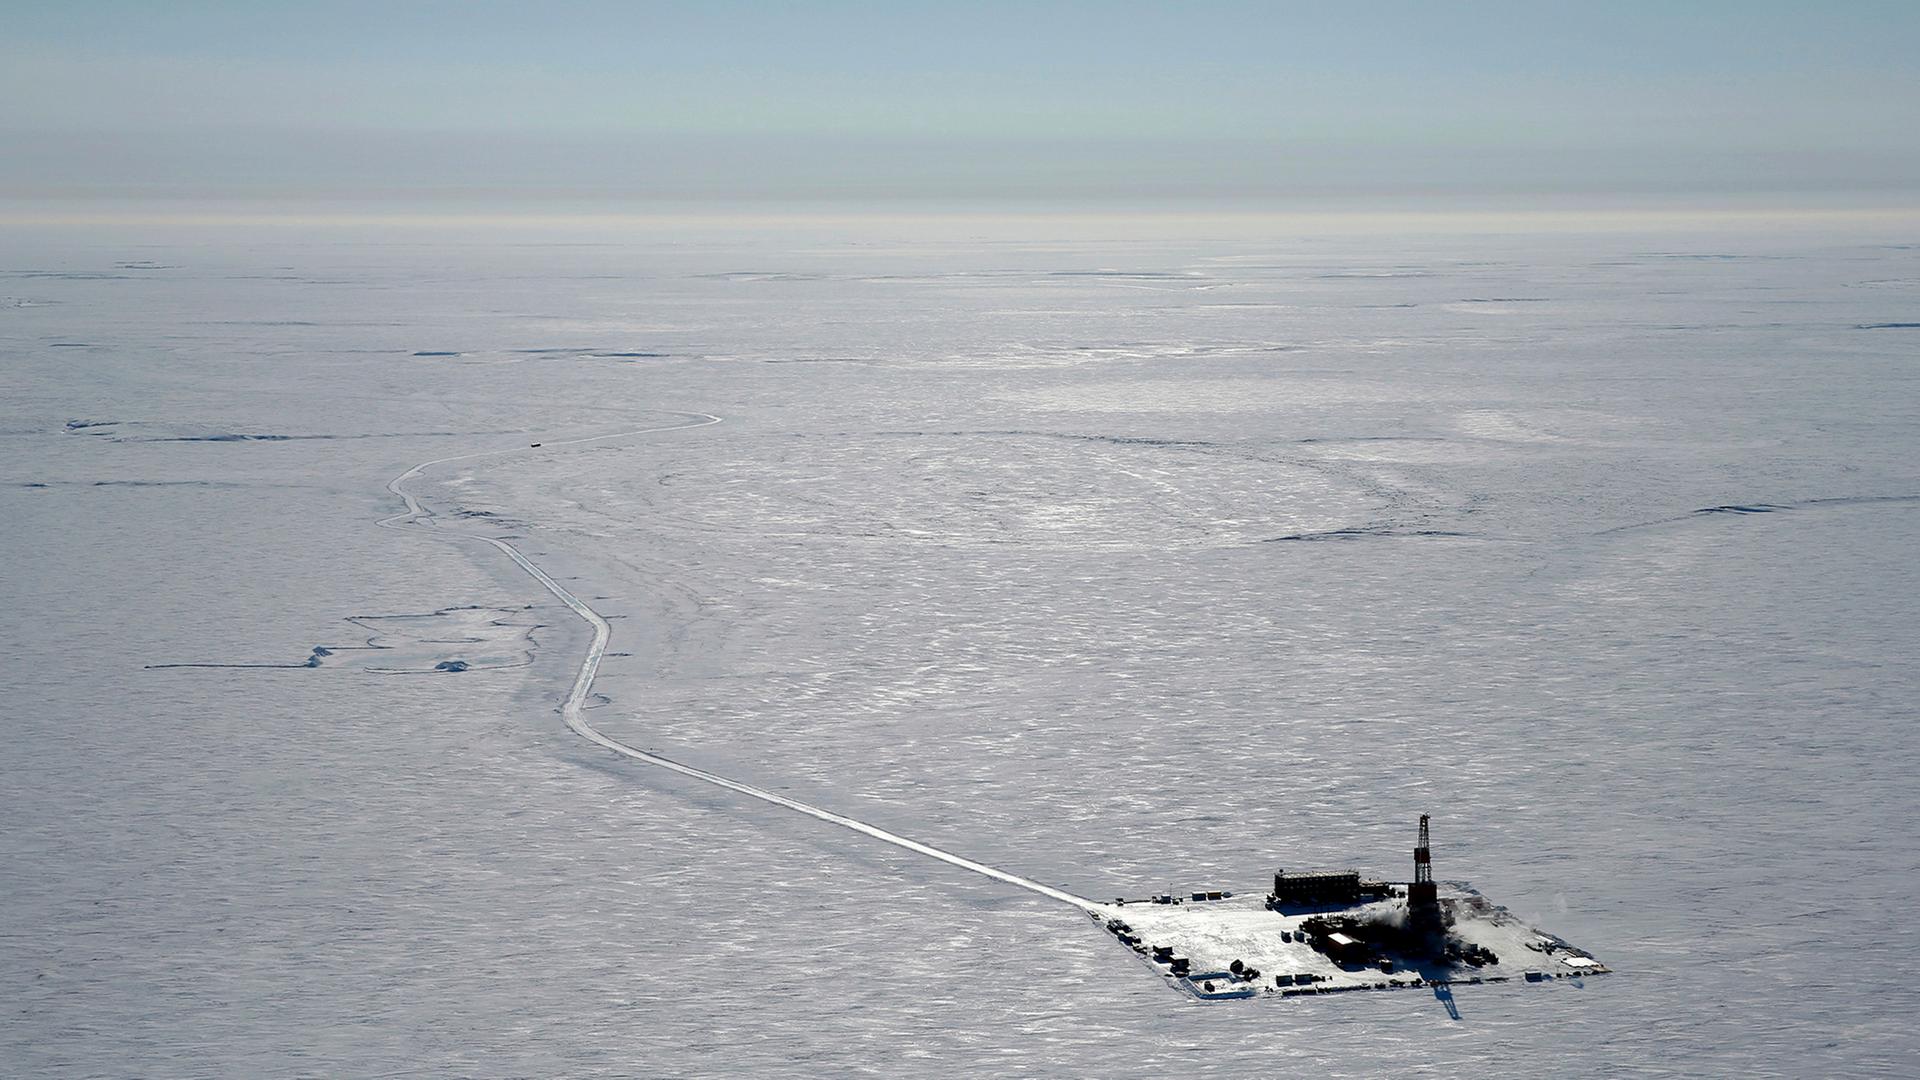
x: 1317, y: 887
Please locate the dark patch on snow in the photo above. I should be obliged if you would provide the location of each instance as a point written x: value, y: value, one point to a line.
x: 311, y: 663
x: 1133, y: 440
x: 1362, y: 532
x: 156, y: 483
x: 410, y: 644
x: 231, y: 437
x: 69, y: 344
x: 490, y: 517
x: 435, y: 353
x: 234, y: 436
x: 1862, y: 500
x: 210, y: 485
x: 1749, y: 509
x: 1889, y: 326
x: 591, y: 353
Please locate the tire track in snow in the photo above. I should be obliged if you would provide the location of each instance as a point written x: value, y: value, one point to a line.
x: 570, y: 710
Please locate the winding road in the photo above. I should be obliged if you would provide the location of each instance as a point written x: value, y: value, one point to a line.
x: 570, y: 710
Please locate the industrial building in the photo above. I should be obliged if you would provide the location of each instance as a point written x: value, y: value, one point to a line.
x: 1324, y: 888
x: 1317, y: 887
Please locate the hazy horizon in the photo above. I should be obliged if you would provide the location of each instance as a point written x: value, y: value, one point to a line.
x: 1241, y: 104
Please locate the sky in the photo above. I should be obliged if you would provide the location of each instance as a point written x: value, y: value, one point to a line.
x: 1224, y: 102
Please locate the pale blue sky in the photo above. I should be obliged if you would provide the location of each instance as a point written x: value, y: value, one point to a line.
x: 956, y: 101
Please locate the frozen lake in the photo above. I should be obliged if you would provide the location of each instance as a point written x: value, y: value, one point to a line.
x: 1117, y: 563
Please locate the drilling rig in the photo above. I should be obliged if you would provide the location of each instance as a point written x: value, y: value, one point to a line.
x: 1423, y: 897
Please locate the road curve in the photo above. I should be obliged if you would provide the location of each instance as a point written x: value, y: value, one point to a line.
x: 570, y: 710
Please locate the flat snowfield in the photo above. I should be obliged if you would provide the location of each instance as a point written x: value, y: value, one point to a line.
x: 1013, y: 564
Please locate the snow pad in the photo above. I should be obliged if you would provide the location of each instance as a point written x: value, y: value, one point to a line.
x: 1234, y: 948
